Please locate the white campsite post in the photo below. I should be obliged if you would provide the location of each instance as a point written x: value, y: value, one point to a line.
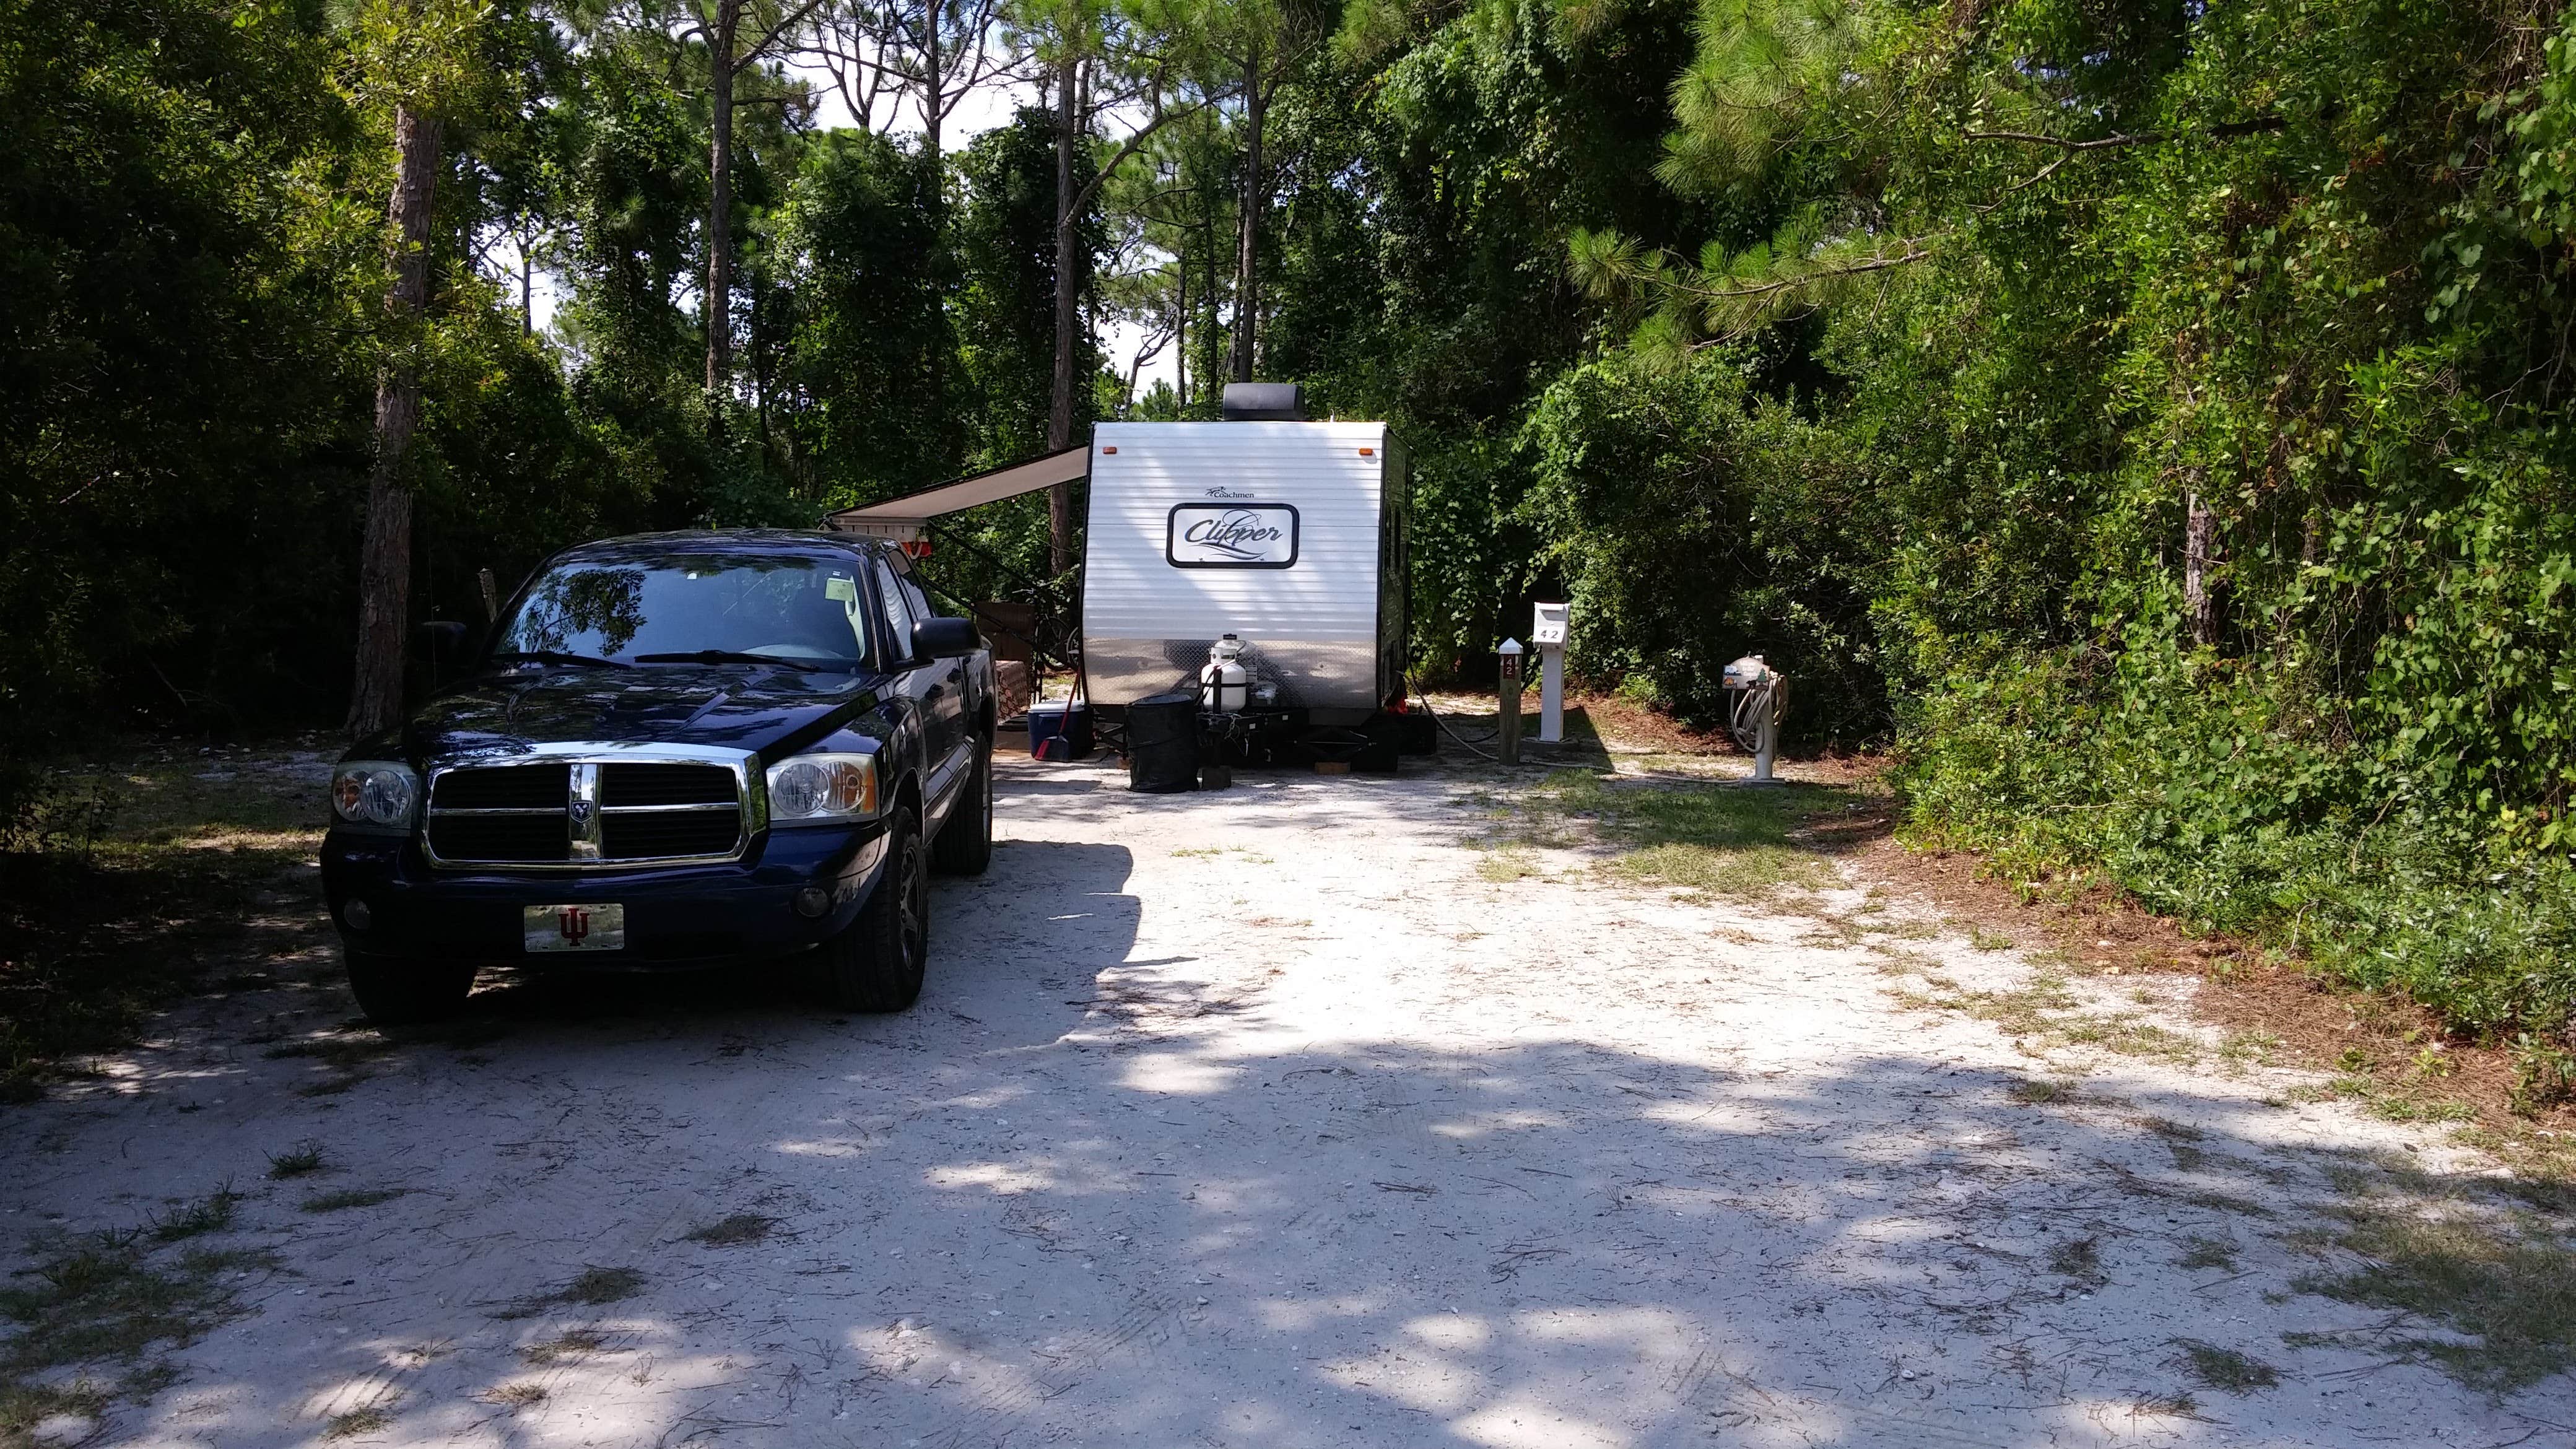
x: 1547, y: 631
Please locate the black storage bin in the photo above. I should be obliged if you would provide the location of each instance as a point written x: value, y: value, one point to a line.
x: 1163, y: 744
x: 1418, y: 732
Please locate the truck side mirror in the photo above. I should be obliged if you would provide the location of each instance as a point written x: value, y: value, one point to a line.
x: 945, y: 639
x: 446, y: 640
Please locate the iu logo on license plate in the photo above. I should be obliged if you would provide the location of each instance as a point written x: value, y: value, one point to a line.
x: 580, y: 926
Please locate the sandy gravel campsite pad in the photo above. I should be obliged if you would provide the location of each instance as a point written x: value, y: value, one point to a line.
x: 1291, y: 1115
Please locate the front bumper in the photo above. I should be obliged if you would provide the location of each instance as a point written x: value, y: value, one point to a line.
x: 675, y: 915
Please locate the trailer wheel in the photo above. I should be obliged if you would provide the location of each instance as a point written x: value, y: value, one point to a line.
x: 876, y: 962
x: 965, y: 843
x: 396, y: 992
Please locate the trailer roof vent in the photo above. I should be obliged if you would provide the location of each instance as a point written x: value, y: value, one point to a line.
x: 1261, y: 402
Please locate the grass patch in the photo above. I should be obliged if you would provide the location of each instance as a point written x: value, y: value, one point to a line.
x: 515, y: 1397
x: 209, y: 1214
x: 2225, y: 1369
x: 740, y: 1228
x: 358, y: 1423
x: 569, y: 1346
x: 590, y: 1288
x: 24, y: 1406
x: 1713, y: 839
x: 1509, y: 864
x: 302, y: 1160
x: 2508, y: 1283
x: 126, y: 884
x: 2035, y: 1091
x: 2079, y: 1259
x: 597, y: 1286
x: 2207, y: 1253
x: 119, y: 1302
x: 2243, y: 1049
x: 1752, y: 870
x: 2045, y: 1013
x: 351, y: 1197
x: 1985, y: 940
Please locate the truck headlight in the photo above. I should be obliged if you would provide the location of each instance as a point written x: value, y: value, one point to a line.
x: 823, y: 790
x: 374, y: 794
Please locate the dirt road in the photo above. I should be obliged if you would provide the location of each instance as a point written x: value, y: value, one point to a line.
x: 1268, y: 1117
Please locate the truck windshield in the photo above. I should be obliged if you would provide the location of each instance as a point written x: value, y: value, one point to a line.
x: 806, y: 611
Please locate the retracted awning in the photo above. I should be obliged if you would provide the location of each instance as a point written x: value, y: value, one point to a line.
x: 904, y: 519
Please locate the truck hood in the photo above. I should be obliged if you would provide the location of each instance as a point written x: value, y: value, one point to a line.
x: 771, y: 711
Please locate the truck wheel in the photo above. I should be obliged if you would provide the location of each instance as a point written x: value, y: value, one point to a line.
x: 876, y: 963
x: 965, y: 843
x: 396, y: 992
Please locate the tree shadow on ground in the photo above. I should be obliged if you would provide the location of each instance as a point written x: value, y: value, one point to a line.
x: 1085, y: 1195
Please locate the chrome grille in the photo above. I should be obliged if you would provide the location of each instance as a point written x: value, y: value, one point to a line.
x: 624, y: 786
x: 570, y: 810
x: 512, y: 787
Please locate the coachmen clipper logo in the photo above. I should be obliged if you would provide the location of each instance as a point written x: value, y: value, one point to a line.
x: 1232, y: 536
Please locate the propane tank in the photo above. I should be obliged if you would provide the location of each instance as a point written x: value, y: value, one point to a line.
x: 1225, y: 686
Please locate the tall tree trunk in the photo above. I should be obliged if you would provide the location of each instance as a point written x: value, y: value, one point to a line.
x: 1209, y: 298
x: 1247, y: 224
x: 1181, y: 335
x: 933, y: 96
x: 2200, y: 554
x: 1067, y: 295
x: 933, y: 102
x: 384, y: 560
x: 718, y: 311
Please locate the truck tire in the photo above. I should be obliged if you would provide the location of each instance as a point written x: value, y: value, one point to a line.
x: 876, y: 962
x: 396, y: 992
x: 965, y: 843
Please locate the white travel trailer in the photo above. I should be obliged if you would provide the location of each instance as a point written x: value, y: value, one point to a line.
x: 1287, y: 535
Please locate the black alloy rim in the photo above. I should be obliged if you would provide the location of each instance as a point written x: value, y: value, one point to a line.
x: 915, y: 910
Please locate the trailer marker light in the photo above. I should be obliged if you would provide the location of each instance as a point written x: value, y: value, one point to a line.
x: 1112, y: 448
x: 1368, y: 452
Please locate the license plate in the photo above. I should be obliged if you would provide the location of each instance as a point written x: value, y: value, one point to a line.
x: 575, y: 928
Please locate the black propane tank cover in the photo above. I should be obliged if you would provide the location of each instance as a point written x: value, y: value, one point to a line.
x: 1163, y: 744
x: 1262, y: 402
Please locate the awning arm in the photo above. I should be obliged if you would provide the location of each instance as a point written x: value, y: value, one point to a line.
x: 907, y: 518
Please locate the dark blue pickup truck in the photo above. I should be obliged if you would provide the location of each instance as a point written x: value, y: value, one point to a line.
x: 674, y: 750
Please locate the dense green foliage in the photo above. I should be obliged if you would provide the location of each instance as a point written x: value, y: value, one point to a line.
x: 1917, y: 337
x: 2145, y: 417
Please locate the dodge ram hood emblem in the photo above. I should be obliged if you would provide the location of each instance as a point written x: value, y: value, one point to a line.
x: 581, y: 813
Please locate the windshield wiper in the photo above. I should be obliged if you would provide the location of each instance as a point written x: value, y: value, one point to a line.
x: 556, y: 656
x: 727, y: 656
